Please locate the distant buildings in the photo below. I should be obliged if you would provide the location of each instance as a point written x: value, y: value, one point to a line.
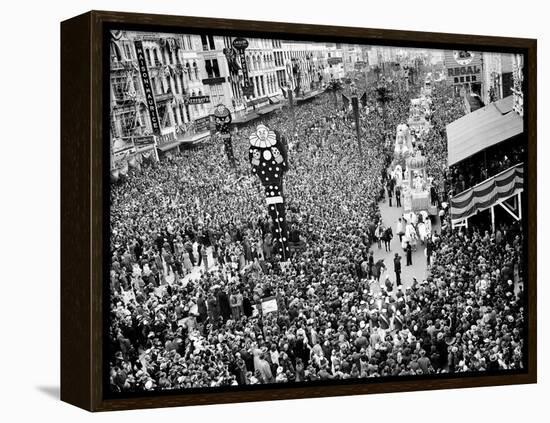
x: 169, y: 95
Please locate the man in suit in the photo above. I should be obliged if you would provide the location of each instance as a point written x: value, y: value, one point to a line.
x: 397, y: 268
x: 408, y: 249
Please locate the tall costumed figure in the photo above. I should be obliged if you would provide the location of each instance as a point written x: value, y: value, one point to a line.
x: 222, y: 119
x: 269, y: 160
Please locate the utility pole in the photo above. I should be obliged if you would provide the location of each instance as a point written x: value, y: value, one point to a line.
x: 355, y: 107
x: 291, y: 106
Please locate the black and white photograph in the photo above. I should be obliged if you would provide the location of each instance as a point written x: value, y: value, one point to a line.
x: 293, y: 212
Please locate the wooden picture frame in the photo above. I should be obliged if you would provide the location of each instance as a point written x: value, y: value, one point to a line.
x: 85, y: 190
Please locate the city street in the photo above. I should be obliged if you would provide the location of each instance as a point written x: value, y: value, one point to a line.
x: 418, y: 269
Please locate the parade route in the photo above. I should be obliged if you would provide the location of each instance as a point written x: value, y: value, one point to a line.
x: 417, y: 270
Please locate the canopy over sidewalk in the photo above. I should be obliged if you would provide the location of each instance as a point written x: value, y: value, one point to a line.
x: 482, y: 129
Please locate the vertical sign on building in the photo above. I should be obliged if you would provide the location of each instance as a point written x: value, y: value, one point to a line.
x: 240, y: 44
x: 147, y: 89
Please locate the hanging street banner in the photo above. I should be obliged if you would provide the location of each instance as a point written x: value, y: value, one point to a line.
x: 462, y: 66
x: 241, y: 44
x: 147, y: 88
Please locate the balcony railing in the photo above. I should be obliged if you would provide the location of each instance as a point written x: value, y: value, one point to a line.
x: 120, y: 64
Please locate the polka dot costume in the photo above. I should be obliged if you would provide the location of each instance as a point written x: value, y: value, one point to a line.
x: 268, y: 157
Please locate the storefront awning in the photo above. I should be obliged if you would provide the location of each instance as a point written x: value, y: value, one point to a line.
x: 246, y: 118
x: 194, y: 138
x: 309, y: 95
x: 169, y: 145
x: 482, y: 129
x: 268, y: 109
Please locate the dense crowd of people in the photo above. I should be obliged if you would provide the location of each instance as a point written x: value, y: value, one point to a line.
x: 193, y: 266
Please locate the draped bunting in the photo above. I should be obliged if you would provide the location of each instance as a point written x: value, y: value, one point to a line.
x: 488, y: 193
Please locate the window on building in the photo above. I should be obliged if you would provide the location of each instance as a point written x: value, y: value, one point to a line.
x: 115, y: 52
x: 196, y: 70
x: 127, y: 51
x: 208, y: 42
x: 127, y: 123
x: 212, y: 68
x: 156, y: 56
x: 137, y: 85
x: 168, y: 84
x: 118, y: 82
x: 148, y: 56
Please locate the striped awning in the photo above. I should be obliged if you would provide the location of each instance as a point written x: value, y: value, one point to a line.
x: 486, y: 194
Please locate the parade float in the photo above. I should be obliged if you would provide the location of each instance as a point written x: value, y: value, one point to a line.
x: 420, y: 111
x: 403, y: 144
x: 415, y: 186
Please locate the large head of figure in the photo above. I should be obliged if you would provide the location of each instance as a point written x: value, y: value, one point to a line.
x: 222, y: 118
x: 267, y: 154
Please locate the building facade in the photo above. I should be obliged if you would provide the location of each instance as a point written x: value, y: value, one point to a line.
x: 497, y: 77
x: 187, y: 75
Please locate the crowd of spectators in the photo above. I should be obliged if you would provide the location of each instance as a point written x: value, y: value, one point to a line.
x: 192, y: 263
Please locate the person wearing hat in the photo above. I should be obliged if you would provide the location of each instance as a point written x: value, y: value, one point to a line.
x: 384, y: 320
x: 397, y: 269
x: 388, y: 283
x: 408, y: 250
x: 398, y: 321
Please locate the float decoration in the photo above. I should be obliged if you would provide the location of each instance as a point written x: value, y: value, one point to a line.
x: 268, y: 157
x: 222, y: 119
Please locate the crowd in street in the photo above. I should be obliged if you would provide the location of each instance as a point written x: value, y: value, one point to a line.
x: 193, y: 261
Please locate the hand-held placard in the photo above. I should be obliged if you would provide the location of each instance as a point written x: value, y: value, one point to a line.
x: 268, y: 157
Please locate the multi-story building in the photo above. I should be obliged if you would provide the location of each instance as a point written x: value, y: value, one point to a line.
x: 164, y: 86
x: 497, y: 77
x: 335, y: 61
x: 265, y: 71
x: 464, y: 72
x: 187, y: 75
